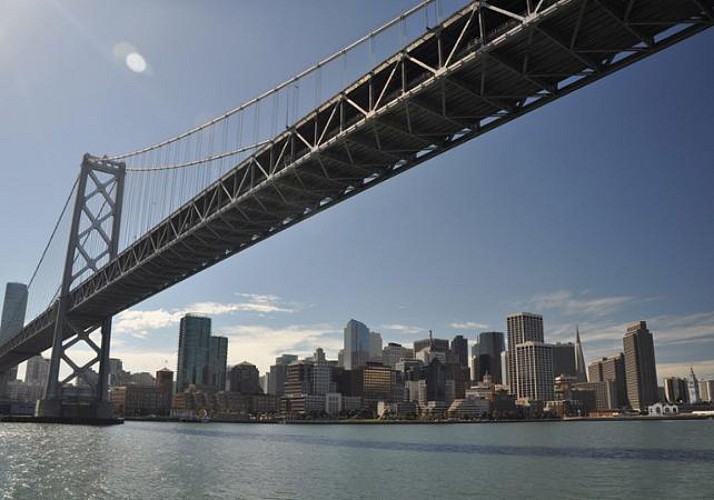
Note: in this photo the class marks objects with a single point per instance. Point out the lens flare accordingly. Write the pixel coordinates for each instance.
(136, 62)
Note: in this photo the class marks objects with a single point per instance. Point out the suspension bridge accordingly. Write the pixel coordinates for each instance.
(137, 223)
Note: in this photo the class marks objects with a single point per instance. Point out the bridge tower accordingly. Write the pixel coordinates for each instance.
(93, 241)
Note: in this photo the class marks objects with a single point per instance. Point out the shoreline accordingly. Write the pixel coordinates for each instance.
(642, 418)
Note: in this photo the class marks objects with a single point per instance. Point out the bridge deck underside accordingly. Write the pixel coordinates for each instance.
(478, 70)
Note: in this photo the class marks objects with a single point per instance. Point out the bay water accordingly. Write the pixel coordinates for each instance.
(633, 459)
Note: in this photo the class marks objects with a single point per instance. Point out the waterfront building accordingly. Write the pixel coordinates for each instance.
(278, 374)
(488, 358)
(564, 359)
(193, 352)
(640, 368)
(356, 345)
(245, 379)
(612, 369)
(676, 390)
(165, 385)
(534, 378)
(13, 317)
(662, 409)
(469, 408)
(605, 393)
(136, 401)
(37, 370)
(693, 386)
(706, 390)
(394, 353)
(217, 359)
(580, 374)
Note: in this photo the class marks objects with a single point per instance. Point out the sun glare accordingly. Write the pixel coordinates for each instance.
(136, 62)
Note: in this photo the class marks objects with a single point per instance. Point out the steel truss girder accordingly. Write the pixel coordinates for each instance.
(319, 156)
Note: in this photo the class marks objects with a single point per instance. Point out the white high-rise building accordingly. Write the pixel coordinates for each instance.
(534, 371)
(522, 327)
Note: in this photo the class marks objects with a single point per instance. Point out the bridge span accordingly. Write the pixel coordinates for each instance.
(482, 66)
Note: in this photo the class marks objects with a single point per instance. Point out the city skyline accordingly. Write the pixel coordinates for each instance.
(609, 196)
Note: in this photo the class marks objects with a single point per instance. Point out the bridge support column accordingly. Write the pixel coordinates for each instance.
(75, 392)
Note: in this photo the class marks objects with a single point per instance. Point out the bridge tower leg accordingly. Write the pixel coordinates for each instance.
(75, 392)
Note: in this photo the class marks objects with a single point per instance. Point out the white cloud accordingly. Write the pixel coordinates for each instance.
(146, 361)
(569, 303)
(468, 325)
(139, 323)
(405, 329)
(260, 344)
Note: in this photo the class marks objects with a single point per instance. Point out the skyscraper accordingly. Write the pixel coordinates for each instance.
(460, 350)
(491, 345)
(357, 344)
(534, 371)
(640, 369)
(611, 369)
(375, 346)
(580, 373)
(676, 390)
(193, 352)
(245, 378)
(217, 359)
(394, 353)
(693, 386)
(525, 328)
(278, 374)
(438, 345)
(13, 316)
(564, 360)
(37, 370)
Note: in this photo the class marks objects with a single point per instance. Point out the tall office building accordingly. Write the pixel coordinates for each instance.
(245, 378)
(488, 359)
(640, 368)
(706, 390)
(375, 346)
(564, 359)
(693, 386)
(534, 371)
(13, 316)
(522, 328)
(278, 374)
(611, 369)
(580, 374)
(437, 345)
(357, 344)
(460, 350)
(394, 353)
(217, 359)
(676, 390)
(193, 352)
(37, 370)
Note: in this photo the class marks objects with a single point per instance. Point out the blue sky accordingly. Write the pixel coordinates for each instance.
(595, 210)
